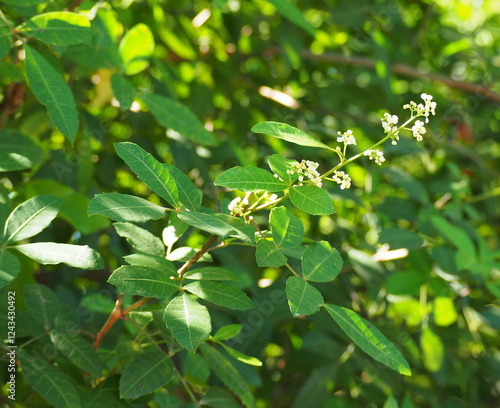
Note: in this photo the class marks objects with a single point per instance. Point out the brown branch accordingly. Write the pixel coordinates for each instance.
(197, 256)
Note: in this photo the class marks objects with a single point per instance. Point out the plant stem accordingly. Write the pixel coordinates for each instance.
(186, 387)
(198, 255)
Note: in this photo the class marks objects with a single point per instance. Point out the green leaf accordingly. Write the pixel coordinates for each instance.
(293, 14)
(238, 355)
(140, 238)
(18, 151)
(123, 90)
(303, 298)
(222, 225)
(249, 179)
(188, 320)
(30, 218)
(227, 374)
(368, 338)
(288, 133)
(221, 294)
(228, 332)
(190, 196)
(267, 254)
(219, 398)
(144, 281)
(50, 382)
(312, 200)
(150, 171)
(124, 207)
(432, 350)
(210, 273)
(10, 266)
(42, 304)
(457, 236)
(49, 88)
(5, 39)
(321, 262)
(281, 165)
(145, 374)
(287, 229)
(400, 238)
(444, 311)
(58, 28)
(157, 262)
(172, 114)
(50, 253)
(184, 254)
(136, 48)
(78, 351)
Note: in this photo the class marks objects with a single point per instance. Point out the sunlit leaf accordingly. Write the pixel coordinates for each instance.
(227, 332)
(210, 273)
(321, 262)
(444, 311)
(249, 179)
(283, 167)
(238, 355)
(136, 48)
(9, 267)
(303, 298)
(266, 254)
(286, 228)
(157, 262)
(432, 350)
(312, 200)
(190, 196)
(288, 133)
(220, 293)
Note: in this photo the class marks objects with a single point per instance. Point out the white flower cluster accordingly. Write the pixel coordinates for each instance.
(307, 169)
(237, 206)
(346, 137)
(375, 154)
(418, 130)
(425, 109)
(390, 125)
(342, 178)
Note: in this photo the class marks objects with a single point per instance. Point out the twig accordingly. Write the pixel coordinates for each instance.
(198, 255)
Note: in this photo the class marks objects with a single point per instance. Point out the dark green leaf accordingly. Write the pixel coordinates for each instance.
(18, 151)
(267, 254)
(124, 91)
(294, 14)
(221, 294)
(400, 238)
(312, 200)
(140, 238)
(288, 133)
(219, 398)
(303, 298)
(250, 179)
(286, 228)
(321, 262)
(157, 262)
(42, 304)
(9, 267)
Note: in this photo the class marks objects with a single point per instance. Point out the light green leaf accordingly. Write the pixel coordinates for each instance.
(190, 196)
(391, 402)
(293, 14)
(432, 350)
(368, 338)
(312, 200)
(303, 298)
(189, 321)
(50, 382)
(172, 114)
(281, 165)
(227, 374)
(228, 332)
(10, 266)
(288, 133)
(157, 262)
(221, 294)
(238, 355)
(151, 171)
(18, 151)
(184, 254)
(123, 90)
(321, 262)
(49, 88)
(222, 225)
(145, 374)
(136, 48)
(58, 28)
(144, 281)
(50, 253)
(286, 228)
(125, 207)
(140, 238)
(210, 273)
(249, 179)
(42, 304)
(267, 254)
(444, 311)
(5, 39)
(78, 351)
(30, 218)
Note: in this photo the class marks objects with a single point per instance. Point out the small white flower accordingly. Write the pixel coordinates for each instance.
(342, 178)
(346, 137)
(418, 130)
(236, 206)
(389, 123)
(425, 109)
(376, 155)
(306, 169)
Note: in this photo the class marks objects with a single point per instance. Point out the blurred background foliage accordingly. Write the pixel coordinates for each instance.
(322, 66)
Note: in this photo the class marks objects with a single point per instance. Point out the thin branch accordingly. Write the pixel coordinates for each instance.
(198, 255)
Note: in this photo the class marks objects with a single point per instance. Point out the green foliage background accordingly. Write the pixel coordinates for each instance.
(187, 81)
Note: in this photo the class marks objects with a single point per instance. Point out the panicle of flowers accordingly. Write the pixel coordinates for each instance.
(347, 137)
(376, 155)
(422, 109)
(342, 178)
(237, 206)
(418, 130)
(390, 125)
(307, 169)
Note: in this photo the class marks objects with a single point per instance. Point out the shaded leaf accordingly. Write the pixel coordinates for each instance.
(42, 304)
(125, 207)
(321, 262)
(368, 338)
(221, 294)
(281, 165)
(49, 88)
(286, 228)
(219, 398)
(140, 238)
(136, 48)
(293, 14)
(266, 254)
(157, 262)
(144, 281)
(189, 321)
(18, 151)
(288, 133)
(250, 179)
(303, 298)
(9, 267)
(123, 90)
(31, 217)
(190, 196)
(312, 200)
